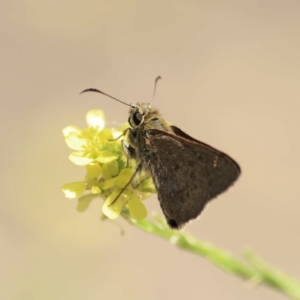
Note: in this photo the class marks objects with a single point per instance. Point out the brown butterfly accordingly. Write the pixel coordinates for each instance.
(186, 172)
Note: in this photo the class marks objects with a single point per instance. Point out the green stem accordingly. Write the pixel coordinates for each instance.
(254, 269)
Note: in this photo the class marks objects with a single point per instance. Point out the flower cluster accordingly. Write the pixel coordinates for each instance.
(107, 171)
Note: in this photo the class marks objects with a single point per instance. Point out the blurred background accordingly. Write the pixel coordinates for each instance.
(231, 73)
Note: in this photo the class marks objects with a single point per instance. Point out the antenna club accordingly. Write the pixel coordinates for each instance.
(90, 90)
(98, 91)
(155, 83)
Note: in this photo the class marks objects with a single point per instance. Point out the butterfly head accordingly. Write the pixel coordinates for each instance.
(143, 115)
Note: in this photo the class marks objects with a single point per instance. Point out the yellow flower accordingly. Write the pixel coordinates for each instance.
(106, 170)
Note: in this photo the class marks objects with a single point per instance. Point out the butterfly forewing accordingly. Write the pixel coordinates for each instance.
(186, 179)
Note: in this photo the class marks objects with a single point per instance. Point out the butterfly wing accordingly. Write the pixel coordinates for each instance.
(187, 174)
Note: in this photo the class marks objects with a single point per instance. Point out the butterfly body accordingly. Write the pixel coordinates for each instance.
(186, 172)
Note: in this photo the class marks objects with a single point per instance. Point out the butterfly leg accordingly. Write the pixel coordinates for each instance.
(129, 151)
(131, 154)
(123, 134)
(127, 148)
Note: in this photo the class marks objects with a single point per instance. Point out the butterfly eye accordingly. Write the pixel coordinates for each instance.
(137, 118)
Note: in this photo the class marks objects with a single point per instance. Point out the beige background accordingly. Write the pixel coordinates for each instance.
(231, 74)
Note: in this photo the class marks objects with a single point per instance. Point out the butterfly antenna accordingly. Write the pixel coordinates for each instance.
(97, 91)
(155, 83)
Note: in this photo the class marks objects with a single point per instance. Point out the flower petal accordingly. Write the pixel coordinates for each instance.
(106, 156)
(124, 177)
(112, 208)
(74, 189)
(136, 208)
(110, 170)
(95, 118)
(75, 142)
(78, 159)
(67, 130)
(92, 172)
(105, 135)
(108, 183)
(84, 202)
